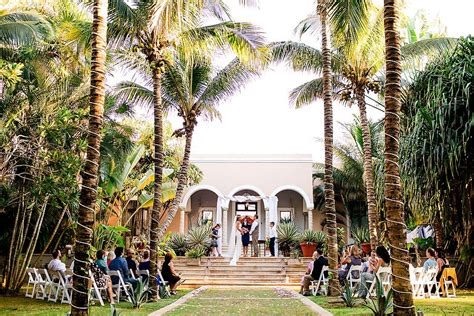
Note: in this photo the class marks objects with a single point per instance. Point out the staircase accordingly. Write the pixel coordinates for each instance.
(250, 271)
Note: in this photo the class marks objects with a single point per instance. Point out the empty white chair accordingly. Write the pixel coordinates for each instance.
(430, 282)
(32, 282)
(66, 287)
(353, 276)
(44, 284)
(322, 283)
(56, 286)
(384, 275)
(417, 281)
(120, 286)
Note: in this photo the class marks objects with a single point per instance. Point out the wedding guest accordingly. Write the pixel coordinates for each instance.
(120, 264)
(353, 259)
(309, 268)
(246, 235)
(430, 263)
(99, 272)
(56, 265)
(169, 274)
(381, 258)
(145, 262)
(214, 238)
(254, 233)
(110, 256)
(318, 265)
(131, 262)
(272, 234)
(442, 263)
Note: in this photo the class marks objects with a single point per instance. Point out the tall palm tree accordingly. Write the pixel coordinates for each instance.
(90, 179)
(402, 296)
(193, 88)
(330, 208)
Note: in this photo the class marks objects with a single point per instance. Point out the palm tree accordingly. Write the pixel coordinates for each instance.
(328, 149)
(402, 296)
(90, 179)
(193, 88)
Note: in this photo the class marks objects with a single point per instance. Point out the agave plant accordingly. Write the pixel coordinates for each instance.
(361, 235)
(288, 237)
(196, 252)
(310, 236)
(179, 243)
(199, 237)
(381, 304)
(348, 296)
(140, 293)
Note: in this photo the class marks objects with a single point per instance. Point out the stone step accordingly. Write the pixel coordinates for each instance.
(234, 276)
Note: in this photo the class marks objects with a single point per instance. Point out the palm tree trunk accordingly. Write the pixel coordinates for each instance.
(402, 296)
(330, 207)
(158, 160)
(438, 230)
(368, 169)
(182, 180)
(87, 202)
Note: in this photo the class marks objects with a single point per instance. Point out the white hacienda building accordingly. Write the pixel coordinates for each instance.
(273, 186)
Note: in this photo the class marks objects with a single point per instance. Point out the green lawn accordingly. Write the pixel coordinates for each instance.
(20, 305)
(463, 304)
(241, 302)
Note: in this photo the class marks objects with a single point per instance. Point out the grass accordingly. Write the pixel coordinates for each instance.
(20, 305)
(241, 302)
(463, 304)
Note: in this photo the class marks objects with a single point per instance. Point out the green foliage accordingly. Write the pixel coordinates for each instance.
(108, 237)
(179, 243)
(199, 237)
(140, 293)
(288, 237)
(361, 235)
(381, 304)
(348, 295)
(162, 248)
(196, 252)
(424, 243)
(310, 236)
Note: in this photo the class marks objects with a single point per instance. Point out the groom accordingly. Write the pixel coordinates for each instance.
(254, 233)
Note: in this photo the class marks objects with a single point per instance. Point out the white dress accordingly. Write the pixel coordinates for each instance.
(237, 241)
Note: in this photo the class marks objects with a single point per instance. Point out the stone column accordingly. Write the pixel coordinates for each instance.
(182, 215)
(224, 226)
(310, 219)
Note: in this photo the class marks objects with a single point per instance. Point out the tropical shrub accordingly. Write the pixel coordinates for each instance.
(163, 246)
(288, 237)
(361, 235)
(140, 293)
(196, 252)
(179, 243)
(309, 236)
(348, 296)
(381, 304)
(108, 237)
(199, 237)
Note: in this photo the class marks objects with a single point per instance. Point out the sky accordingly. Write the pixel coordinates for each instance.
(259, 120)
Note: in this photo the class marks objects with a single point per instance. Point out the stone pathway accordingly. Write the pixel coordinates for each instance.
(242, 301)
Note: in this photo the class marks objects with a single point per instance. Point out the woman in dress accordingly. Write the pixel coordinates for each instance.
(381, 258)
(169, 274)
(246, 226)
(99, 272)
(235, 242)
(353, 259)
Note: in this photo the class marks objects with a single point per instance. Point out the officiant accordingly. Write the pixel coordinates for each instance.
(254, 234)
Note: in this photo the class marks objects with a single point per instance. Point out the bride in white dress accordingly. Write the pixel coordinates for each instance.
(235, 242)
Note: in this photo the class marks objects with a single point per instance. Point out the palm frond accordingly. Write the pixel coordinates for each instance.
(310, 91)
(133, 93)
(428, 47)
(309, 25)
(21, 28)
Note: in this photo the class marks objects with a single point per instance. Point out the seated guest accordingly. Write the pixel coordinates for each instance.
(430, 263)
(120, 264)
(381, 258)
(318, 265)
(99, 272)
(353, 259)
(145, 262)
(442, 263)
(169, 274)
(56, 265)
(132, 263)
(309, 268)
(110, 256)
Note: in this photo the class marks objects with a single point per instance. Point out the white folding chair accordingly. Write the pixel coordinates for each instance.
(132, 274)
(165, 283)
(446, 284)
(417, 282)
(322, 283)
(430, 282)
(120, 286)
(384, 275)
(353, 276)
(66, 281)
(44, 284)
(96, 290)
(32, 282)
(144, 275)
(56, 286)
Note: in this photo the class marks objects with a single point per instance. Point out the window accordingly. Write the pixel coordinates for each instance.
(207, 215)
(246, 208)
(286, 215)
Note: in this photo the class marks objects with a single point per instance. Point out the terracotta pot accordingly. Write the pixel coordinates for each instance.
(365, 247)
(308, 249)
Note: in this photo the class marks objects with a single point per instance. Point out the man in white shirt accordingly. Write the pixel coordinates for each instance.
(56, 264)
(272, 233)
(254, 233)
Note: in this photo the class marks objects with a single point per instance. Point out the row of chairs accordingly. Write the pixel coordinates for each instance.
(354, 279)
(41, 285)
(423, 282)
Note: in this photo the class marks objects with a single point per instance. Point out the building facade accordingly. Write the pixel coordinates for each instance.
(275, 187)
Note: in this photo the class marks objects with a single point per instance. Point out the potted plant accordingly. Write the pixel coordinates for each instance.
(361, 236)
(308, 242)
(288, 237)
